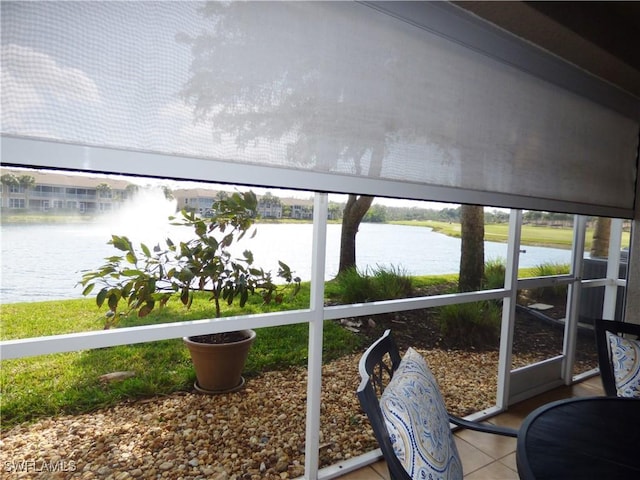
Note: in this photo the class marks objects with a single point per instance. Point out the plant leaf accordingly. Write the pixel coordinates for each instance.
(113, 300)
(88, 289)
(184, 296)
(102, 295)
(128, 272)
(121, 243)
(145, 310)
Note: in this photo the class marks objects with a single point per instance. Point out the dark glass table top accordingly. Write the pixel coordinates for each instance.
(581, 438)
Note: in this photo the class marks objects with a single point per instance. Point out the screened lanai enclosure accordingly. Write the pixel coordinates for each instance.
(418, 101)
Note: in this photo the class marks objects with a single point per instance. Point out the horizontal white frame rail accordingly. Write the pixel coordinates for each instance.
(27, 347)
(71, 342)
(39, 153)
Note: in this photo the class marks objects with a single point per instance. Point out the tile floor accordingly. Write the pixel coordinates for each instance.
(491, 457)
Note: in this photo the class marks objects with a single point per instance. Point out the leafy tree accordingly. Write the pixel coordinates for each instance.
(221, 195)
(131, 190)
(269, 198)
(450, 214)
(104, 190)
(376, 214)
(335, 210)
(168, 193)
(496, 216)
(286, 210)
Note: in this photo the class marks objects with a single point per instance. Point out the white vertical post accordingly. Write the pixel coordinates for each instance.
(573, 299)
(509, 309)
(314, 363)
(613, 266)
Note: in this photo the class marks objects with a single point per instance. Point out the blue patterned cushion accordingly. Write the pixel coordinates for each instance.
(625, 355)
(418, 423)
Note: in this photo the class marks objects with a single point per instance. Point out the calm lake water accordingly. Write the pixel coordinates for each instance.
(45, 262)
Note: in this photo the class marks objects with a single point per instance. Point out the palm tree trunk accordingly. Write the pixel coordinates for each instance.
(472, 249)
(601, 234)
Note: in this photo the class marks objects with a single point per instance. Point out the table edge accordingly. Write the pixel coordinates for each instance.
(522, 462)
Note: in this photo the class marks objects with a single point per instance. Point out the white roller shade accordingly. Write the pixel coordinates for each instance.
(328, 90)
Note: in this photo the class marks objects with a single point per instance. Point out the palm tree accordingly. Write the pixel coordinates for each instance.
(472, 249)
(8, 180)
(26, 182)
(601, 234)
(131, 190)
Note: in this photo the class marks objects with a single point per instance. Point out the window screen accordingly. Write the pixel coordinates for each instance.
(331, 87)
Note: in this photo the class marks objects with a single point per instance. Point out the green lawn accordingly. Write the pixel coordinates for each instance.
(531, 234)
(69, 383)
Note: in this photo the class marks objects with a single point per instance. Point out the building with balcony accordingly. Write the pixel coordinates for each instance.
(57, 192)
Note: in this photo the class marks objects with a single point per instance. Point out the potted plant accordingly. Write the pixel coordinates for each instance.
(145, 278)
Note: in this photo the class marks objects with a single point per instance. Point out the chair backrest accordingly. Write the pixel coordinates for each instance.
(620, 365)
(377, 365)
(407, 413)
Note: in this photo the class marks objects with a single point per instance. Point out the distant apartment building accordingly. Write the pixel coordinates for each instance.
(270, 207)
(200, 200)
(62, 192)
(92, 195)
(301, 209)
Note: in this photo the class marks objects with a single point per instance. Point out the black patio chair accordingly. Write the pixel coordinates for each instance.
(628, 382)
(401, 395)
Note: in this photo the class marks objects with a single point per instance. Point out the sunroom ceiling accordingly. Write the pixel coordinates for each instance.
(601, 37)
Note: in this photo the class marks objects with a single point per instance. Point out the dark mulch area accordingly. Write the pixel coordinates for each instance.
(536, 334)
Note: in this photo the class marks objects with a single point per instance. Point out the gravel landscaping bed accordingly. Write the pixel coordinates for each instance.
(255, 433)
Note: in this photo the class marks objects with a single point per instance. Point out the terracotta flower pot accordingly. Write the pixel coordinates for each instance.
(219, 366)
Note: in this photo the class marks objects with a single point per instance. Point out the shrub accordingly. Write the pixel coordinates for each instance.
(474, 325)
(382, 284)
(494, 273)
(553, 292)
(550, 268)
(355, 287)
(390, 283)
